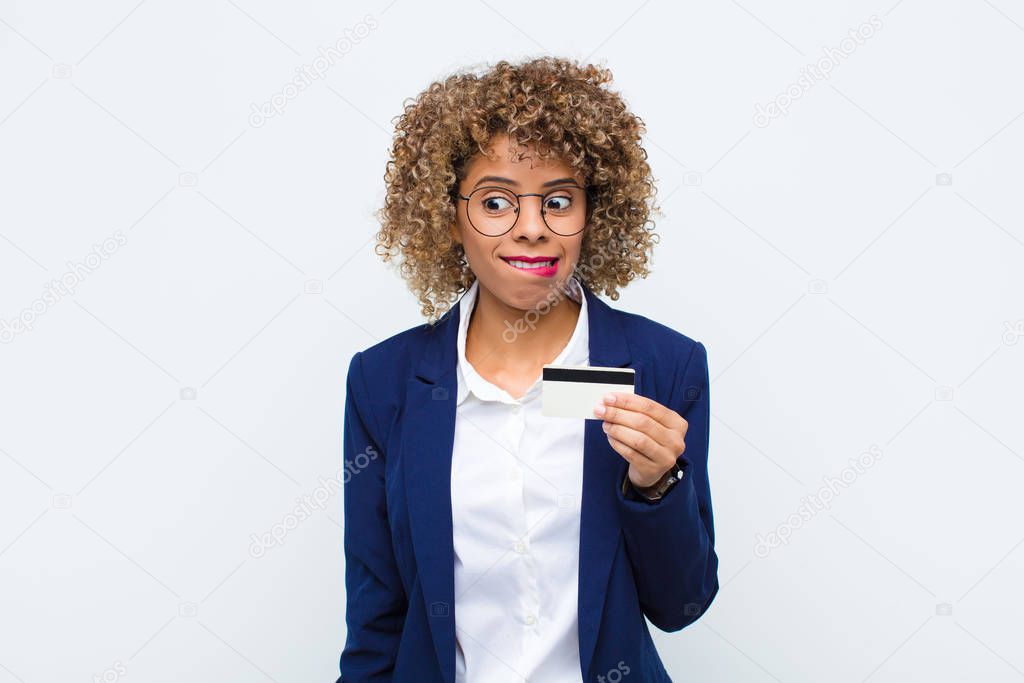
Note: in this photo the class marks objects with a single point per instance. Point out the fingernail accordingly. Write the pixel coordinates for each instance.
(599, 409)
(609, 399)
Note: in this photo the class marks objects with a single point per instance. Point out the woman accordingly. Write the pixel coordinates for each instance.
(484, 541)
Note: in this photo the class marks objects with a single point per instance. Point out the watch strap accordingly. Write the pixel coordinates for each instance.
(658, 491)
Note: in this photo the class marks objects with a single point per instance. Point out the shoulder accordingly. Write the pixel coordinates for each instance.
(679, 362)
(385, 367)
(399, 351)
(656, 341)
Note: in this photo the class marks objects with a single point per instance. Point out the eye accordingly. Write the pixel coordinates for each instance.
(558, 204)
(496, 203)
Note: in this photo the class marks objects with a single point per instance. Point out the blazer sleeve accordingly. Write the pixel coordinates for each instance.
(376, 603)
(671, 542)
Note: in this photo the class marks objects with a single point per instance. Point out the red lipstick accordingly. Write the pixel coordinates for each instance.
(542, 271)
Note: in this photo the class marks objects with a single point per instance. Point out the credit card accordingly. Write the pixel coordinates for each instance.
(574, 391)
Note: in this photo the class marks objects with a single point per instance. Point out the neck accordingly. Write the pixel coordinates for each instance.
(499, 334)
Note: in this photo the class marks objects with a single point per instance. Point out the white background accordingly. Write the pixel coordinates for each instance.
(192, 386)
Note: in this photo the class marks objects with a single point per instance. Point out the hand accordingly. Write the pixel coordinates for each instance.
(647, 434)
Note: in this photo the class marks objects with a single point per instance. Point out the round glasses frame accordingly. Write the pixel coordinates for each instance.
(543, 211)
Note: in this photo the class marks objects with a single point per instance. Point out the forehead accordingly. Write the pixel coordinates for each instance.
(521, 163)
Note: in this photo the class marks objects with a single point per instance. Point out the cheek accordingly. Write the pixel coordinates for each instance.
(472, 245)
(574, 249)
(478, 251)
(465, 234)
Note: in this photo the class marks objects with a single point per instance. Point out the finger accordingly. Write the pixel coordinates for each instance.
(643, 423)
(637, 442)
(633, 456)
(635, 402)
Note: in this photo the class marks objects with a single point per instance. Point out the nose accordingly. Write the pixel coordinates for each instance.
(530, 222)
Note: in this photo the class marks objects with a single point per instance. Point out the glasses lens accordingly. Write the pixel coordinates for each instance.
(493, 210)
(565, 210)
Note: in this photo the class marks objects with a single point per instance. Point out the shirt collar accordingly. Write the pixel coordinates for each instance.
(575, 352)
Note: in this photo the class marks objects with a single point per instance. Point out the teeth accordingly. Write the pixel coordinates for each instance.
(530, 266)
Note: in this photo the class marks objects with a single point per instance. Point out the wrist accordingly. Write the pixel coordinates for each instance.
(658, 489)
(661, 480)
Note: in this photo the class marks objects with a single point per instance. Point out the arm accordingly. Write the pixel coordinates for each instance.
(671, 543)
(376, 601)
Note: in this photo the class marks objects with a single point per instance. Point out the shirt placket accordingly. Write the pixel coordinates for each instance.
(529, 604)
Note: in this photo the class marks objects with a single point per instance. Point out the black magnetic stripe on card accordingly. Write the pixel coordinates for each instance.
(588, 376)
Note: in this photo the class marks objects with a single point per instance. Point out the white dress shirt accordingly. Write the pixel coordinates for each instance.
(517, 479)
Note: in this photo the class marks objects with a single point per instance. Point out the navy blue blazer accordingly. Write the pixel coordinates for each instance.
(636, 558)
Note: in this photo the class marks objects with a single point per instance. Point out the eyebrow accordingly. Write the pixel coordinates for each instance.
(509, 181)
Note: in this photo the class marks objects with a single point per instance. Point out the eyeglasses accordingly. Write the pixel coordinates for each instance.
(493, 210)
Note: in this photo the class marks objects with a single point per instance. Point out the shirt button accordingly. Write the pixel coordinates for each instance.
(531, 620)
(520, 547)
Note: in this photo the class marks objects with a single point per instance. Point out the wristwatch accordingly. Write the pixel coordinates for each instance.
(667, 481)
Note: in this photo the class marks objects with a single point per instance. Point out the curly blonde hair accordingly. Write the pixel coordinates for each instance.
(555, 104)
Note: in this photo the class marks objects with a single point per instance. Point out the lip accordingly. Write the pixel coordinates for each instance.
(529, 259)
(543, 271)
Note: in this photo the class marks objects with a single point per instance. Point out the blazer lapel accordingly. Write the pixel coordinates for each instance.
(428, 436)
